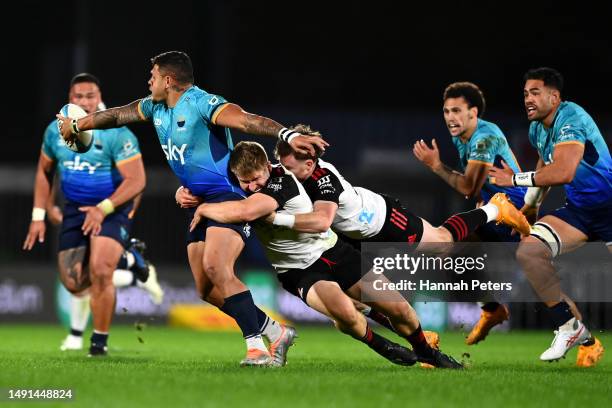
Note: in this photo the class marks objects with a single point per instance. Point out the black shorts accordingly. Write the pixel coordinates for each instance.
(341, 264)
(115, 225)
(199, 233)
(400, 224)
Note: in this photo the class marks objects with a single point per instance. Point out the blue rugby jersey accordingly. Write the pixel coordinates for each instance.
(90, 177)
(488, 145)
(197, 150)
(592, 184)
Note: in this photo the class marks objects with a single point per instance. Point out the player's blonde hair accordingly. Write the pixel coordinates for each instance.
(284, 149)
(247, 157)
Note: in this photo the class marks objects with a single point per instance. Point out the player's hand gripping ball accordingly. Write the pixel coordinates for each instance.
(81, 141)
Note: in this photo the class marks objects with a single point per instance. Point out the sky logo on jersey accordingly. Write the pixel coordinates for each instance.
(173, 152)
(78, 165)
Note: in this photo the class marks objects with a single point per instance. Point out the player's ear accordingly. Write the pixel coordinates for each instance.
(555, 96)
(473, 112)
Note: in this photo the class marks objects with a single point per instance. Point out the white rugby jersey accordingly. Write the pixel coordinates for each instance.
(286, 248)
(361, 213)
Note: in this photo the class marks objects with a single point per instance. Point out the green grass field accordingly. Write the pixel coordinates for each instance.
(182, 368)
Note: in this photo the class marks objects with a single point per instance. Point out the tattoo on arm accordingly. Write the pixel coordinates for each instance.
(115, 117)
(261, 126)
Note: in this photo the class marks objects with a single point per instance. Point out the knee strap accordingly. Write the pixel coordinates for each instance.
(545, 233)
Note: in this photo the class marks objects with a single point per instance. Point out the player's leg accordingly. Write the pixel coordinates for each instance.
(104, 255)
(459, 226)
(222, 248)
(76, 281)
(551, 236)
(328, 298)
(134, 270)
(373, 314)
(406, 324)
(280, 336)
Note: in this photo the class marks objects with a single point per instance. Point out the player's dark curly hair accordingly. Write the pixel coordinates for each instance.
(177, 64)
(550, 76)
(470, 92)
(84, 77)
(283, 148)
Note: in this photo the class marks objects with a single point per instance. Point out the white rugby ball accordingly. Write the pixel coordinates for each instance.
(84, 138)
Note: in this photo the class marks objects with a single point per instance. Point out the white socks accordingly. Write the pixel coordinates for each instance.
(122, 277)
(256, 342)
(129, 258)
(79, 312)
(272, 330)
(491, 210)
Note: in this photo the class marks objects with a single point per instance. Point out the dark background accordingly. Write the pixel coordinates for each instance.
(331, 65)
(369, 76)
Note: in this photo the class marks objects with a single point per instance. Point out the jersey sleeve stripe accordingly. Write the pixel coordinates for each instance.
(129, 159)
(140, 110)
(570, 142)
(45, 154)
(481, 162)
(217, 112)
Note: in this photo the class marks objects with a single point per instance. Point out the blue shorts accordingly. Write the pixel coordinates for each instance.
(594, 223)
(115, 225)
(199, 233)
(492, 232)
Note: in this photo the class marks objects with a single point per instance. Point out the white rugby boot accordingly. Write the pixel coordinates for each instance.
(569, 335)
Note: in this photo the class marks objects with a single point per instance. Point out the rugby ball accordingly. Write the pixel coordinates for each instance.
(84, 139)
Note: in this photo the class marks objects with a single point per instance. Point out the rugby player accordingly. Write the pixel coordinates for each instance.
(573, 153)
(193, 127)
(480, 144)
(363, 215)
(92, 239)
(318, 267)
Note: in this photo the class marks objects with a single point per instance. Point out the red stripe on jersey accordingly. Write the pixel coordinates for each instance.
(395, 218)
(400, 214)
(398, 225)
(318, 173)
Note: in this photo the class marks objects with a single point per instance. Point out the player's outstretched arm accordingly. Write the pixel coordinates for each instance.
(561, 171)
(467, 184)
(106, 119)
(234, 117)
(256, 206)
(319, 220)
(42, 191)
